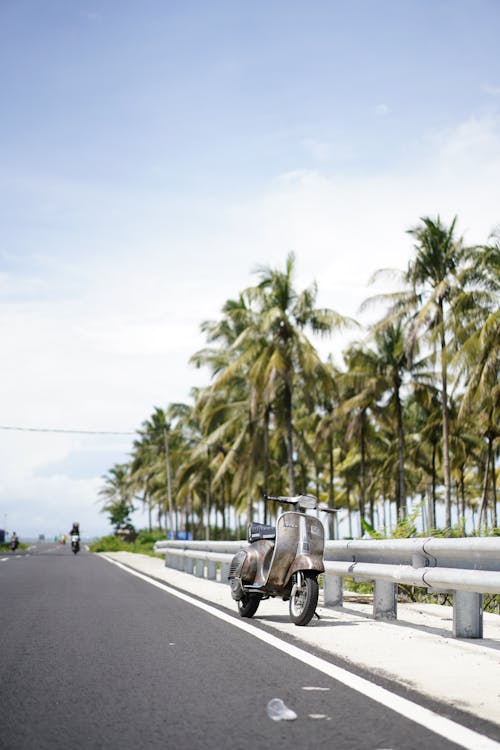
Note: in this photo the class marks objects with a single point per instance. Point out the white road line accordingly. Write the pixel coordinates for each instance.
(4, 559)
(450, 730)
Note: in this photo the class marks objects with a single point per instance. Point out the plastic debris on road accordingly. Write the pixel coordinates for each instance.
(277, 711)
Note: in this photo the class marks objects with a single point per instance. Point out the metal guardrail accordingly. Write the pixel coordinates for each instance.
(201, 558)
(465, 567)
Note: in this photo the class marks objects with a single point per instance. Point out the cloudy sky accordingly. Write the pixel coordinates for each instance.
(153, 154)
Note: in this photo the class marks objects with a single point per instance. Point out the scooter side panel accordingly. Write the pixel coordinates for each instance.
(300, 542)
(258, 557)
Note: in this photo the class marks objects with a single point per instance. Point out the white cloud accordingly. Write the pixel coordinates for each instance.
(331, 151)
(381, 110)
(491, 90)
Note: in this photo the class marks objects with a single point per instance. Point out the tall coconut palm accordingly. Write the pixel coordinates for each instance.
(118, 494)
(231, 411)
(480, 358)
(437, 277)
(286, 358)
(438, 291)
(396, 371)
(361, 390)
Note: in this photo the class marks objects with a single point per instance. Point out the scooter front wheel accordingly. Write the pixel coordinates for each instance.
(249, 604)
(304, 601)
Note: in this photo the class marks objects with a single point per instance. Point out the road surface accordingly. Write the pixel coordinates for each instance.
(93, 657)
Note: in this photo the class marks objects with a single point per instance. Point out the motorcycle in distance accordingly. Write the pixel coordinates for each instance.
(282, 561)
(75, 543)
(14, 542)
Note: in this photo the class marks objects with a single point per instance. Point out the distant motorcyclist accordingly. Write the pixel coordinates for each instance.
(14, 541)
(74, 536)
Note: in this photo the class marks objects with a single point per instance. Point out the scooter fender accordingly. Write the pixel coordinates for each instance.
(307, 562)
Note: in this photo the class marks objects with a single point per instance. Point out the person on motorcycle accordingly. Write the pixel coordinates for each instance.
(14, 541)
(74, 537)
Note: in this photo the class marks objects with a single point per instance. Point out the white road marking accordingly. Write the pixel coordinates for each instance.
(450, 730)
(4, 559)
(319, 716)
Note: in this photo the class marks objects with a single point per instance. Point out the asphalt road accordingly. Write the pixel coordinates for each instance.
(92, 657)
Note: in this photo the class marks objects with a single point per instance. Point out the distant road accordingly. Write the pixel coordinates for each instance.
(92, 657)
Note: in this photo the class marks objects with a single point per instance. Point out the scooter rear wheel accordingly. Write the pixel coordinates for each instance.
(249, 604)
(304, 601)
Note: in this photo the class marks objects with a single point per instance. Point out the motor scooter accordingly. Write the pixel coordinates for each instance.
(282, 561)
(75, 543)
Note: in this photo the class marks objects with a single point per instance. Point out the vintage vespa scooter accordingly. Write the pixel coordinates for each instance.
(282, 561)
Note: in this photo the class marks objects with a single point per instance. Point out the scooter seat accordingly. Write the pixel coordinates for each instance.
(258, 531)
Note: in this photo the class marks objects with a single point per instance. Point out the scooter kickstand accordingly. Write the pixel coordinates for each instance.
(316, 615)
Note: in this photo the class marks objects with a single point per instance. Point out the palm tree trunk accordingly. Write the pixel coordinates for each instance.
(289, 437)
(434, 515)
(484, 496)
(331, 467)
(446, 426)
(169, 483)
(462, 495)
(266, 458)
(401, 457)
(494, 484)
(362, 478)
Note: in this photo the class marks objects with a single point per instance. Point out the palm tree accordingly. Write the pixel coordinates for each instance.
(285, 358)
(436, 276)
(361, 390)
(480, 357)
(327, 430)
(231, 413)
(118, 495)
(396, 369)
(438, 292)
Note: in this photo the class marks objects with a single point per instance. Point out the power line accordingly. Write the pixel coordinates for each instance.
(62, 430)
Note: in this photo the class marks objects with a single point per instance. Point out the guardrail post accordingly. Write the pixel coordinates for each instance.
(199, 568)
(332, 590)
(224, 572)
(467, 614)
(188, 565)
(212, 570)
(385, 600)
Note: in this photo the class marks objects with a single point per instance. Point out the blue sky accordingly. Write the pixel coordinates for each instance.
(153, 154)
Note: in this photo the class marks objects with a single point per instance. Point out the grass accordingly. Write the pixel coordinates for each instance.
(5, 546)
(491, 602)
(142, 544)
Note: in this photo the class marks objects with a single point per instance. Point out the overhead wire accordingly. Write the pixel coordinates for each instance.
(65, 431)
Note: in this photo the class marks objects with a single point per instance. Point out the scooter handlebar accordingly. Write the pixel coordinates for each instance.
(295, 500)
(282, 499)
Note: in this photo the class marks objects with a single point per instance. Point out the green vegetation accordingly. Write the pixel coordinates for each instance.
(491, 602)
(142, 544)
(4, 546)
(409, 419)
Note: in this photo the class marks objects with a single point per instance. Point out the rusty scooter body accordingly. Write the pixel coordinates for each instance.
(282, 561)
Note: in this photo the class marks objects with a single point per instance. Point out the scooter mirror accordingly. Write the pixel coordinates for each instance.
(308, 502)
(324, 507)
